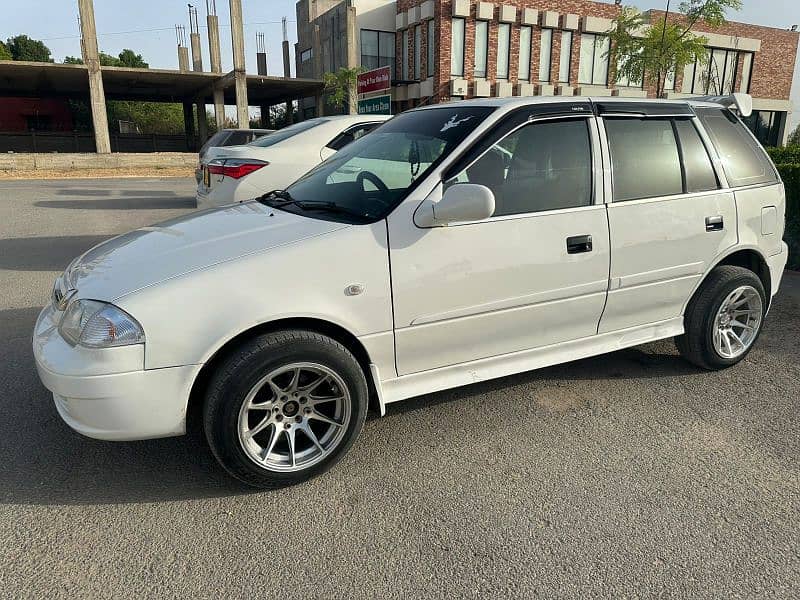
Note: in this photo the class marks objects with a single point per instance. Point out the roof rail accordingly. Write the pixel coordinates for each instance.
(743, 103)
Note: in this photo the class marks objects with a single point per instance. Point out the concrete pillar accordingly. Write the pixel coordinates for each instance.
(188, 122)
(287, 72)
(219, 109)
(96, 92)
(183, 58)
(265, 116)
(320, 105)
(237, 41)
(261, 63)
(202, 123)
(197, 56)
(213, 43)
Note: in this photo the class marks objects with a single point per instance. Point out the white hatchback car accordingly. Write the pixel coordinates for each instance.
(457, 243)
(236, 173)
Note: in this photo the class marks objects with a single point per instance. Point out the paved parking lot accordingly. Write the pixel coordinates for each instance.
(631, 474)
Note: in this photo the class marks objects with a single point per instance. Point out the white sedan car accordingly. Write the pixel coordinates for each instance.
(237, 173)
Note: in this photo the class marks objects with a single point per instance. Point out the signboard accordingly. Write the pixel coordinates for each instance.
(376, 80)
(377, 105)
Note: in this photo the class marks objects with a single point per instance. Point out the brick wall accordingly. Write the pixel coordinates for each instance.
(772, 70)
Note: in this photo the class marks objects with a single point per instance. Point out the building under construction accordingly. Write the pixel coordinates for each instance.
(41, 89)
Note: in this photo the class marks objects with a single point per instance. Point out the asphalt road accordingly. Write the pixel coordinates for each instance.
(626, 475)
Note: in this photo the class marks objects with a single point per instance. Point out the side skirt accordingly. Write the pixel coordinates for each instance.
(426, 382)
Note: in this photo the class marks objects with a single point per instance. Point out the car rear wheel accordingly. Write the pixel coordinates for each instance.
(285, 407)
(723, 319)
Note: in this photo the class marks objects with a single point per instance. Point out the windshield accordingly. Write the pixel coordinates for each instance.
(286, 133)
(373, 174)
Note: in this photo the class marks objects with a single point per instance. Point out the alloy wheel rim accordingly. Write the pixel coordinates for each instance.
(294, 417)
(737, 322)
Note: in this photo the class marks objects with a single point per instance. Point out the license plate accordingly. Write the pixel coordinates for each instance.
(206, 177)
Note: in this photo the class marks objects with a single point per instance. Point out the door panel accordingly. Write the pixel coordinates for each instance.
(661, 249)
(475, 290)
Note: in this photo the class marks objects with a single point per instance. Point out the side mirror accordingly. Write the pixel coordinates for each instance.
(461, 202)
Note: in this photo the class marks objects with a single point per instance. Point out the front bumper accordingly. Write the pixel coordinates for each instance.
(106, 393)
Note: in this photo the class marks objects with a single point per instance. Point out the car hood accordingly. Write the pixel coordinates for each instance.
(172, 248)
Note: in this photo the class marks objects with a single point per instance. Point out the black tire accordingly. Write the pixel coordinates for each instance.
(240, 372)
(696, 344)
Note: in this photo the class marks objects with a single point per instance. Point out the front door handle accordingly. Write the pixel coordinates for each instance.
(579, 243)
(714, 223)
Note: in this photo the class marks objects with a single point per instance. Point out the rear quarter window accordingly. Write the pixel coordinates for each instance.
(743, 159)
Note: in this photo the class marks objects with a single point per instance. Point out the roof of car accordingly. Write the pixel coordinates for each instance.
(514, 101)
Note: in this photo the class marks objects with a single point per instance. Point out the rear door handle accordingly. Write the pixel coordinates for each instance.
(714, 223)
(579, 243)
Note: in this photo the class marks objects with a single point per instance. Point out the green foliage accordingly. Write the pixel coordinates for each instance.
(785, 155)
(22, 47)
(794, 137)
(150, 117)
(342, 85)
(5, 53)
(790, 173)
(128, 58)
(642, 49)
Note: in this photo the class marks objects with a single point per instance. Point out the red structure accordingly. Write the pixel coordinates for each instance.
(38, 114)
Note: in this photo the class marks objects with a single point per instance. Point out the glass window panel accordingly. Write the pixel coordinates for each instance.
(700, 83)
(524, 53)
(717, 73)
(545, 54)
(542, 166)
(747, 66)
(417, 51)
(745, 162)
(404, 55)
(457, 48)
(386, 41)
(601, 46)
(700, 175)
(644, 158)
(481, 47)
(669, 81)
(587, 58)
(730, 73)
(503, 41)
(431, 49)
(565, 57)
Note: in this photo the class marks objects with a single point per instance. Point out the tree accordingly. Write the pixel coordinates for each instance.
(22, 47)
(640, 49)
(5, 53)
(794, 137)
(128, 58)
(341, 86)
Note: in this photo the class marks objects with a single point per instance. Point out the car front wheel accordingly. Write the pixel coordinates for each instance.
(285, 407)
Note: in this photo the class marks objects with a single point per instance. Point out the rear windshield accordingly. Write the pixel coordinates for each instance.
(287, 132)
(744, 160)
(215, 140)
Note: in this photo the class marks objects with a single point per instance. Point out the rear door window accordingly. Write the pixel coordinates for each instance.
(644, 158)
(743, 159)
(700, 176)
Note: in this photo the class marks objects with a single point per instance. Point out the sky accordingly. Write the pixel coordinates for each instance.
(147, 26)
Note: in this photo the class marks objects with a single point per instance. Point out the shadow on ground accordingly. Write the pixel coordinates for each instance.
(48, 253)
(126, 203)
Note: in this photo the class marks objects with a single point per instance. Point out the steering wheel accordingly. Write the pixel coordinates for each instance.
(372, 178)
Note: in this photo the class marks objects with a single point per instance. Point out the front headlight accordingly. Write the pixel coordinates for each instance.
(99, 325)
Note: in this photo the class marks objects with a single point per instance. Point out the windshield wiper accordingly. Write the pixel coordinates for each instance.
(329, 207)
(283, 195)
(281, 198)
